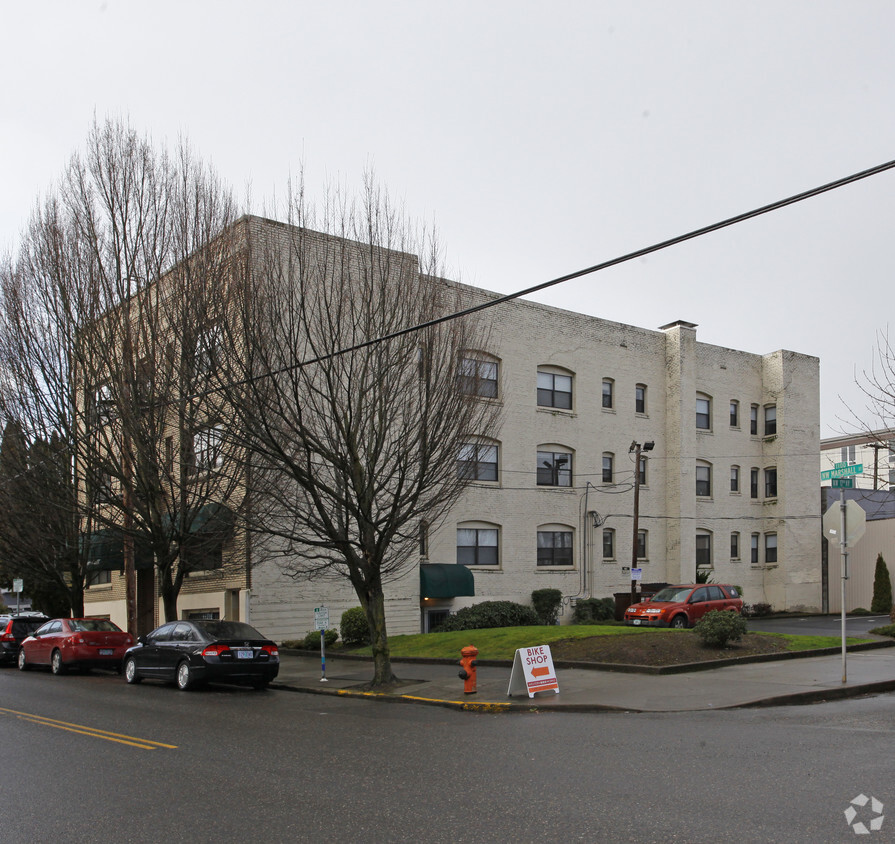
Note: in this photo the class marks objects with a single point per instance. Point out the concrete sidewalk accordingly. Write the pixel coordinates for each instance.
(777, 683)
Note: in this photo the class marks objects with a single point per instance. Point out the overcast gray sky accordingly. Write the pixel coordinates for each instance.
(540, 138)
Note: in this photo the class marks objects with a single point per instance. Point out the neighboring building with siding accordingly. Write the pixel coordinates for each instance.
(878, 538)
(874, 450)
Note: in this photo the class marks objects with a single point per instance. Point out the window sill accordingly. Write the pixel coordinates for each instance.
(608, 409)
(554, 568)
(557, 411)
(100, 587)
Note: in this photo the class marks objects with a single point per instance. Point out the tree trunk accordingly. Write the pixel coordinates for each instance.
(373, 602)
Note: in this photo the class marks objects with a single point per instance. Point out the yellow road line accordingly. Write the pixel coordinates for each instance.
(133, 741)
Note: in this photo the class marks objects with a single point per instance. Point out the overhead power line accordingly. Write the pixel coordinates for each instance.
(621, 259)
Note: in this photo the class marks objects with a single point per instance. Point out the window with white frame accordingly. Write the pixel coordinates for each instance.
(734, 478)
(608, 544)
(554, 546)
(703, 412)
(478, 376)
(770, 420)
(478, 546)
(640, 398)
(642, 544)
(734, 414)
(207, 449)
(554, 468)
(770, 547)
(847, 453)
(608, 467)
(770, 482)
(753, 549)
(642, 479)
(608, 393)
(554, 389)
(734, 545)
(478, 461)
(704, 480)
(703, 549)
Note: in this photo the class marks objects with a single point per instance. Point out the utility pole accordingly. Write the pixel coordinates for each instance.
(635, 449)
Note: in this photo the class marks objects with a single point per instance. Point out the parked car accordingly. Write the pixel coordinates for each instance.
(84, 643)
(683, 606)
(13, 630)
(194, 652)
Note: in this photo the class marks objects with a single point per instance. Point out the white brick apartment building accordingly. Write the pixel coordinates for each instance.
(729, 485)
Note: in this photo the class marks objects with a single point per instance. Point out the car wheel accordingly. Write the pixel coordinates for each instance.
(679, 622)
(23, 663)
(130, 671)
(57, 666)
(184, 676)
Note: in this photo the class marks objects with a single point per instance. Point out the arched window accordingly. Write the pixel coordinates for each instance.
(478, 544)
(478, 374)
(478, 461)
(704, 549)
(554, 387)
(555, 545)
(703, 412)
(608, 394)
(703, 479)
(554, 465)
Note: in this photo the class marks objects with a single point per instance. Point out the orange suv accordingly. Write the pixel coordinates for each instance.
(683, 606)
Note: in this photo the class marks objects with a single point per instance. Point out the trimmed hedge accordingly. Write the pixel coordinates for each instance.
(490, 614)
(546, 603)
(312, 640)
(593, 610)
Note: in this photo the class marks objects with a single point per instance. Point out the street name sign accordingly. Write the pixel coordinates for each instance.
(842, 471)
(842, 483)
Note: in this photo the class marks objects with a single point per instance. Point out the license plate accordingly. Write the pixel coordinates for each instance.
(636, 621)
(106, 651)
(244, 654)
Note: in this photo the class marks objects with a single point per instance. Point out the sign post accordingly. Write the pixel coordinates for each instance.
(321, 623)
(852, 523)
(17, 586)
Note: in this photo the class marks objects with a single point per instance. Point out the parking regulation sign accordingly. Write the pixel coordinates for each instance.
(321, 618)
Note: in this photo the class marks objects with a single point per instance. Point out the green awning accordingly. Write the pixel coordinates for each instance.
(105, 551)
(445, 580)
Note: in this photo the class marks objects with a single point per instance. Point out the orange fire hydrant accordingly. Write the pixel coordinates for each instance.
(467, 668)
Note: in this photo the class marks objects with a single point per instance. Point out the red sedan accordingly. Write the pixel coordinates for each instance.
(85, 643)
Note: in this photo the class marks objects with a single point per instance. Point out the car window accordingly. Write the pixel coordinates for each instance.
(93, 625)
(183, 633)
(227, 630)
(699, 595)
(672, 594)
(715, 593)
(163, 634)
(732, 591)
(25, 626)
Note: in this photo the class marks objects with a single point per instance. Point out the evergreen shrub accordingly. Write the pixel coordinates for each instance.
(490, 614)
(593, 610)
(546, 603)
(718, 627)
(354, 628)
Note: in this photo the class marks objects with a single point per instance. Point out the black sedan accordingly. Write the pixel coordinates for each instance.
(194, 652)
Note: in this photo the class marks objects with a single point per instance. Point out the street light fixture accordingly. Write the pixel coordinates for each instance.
(636, 449)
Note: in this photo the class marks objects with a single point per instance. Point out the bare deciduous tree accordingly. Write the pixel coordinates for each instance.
(106, 342)
(351, 450)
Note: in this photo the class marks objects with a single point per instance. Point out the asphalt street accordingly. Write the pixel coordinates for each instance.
(98, 760)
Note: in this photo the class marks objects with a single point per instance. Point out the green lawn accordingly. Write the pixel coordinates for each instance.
(502, 642)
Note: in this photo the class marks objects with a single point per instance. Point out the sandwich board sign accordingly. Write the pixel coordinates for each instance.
(532, 672)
